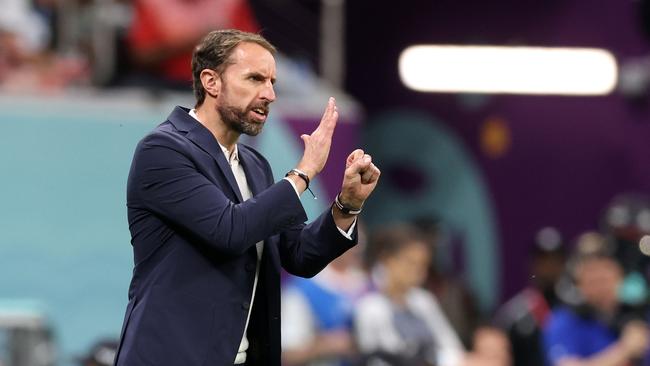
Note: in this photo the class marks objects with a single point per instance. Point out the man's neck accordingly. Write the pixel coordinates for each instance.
(210, 118)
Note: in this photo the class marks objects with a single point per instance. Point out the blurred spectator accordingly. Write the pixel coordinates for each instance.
(101, 353)
(317, 313)
(28, 29)
(402, 324)
(97, 30)
(23, 36)
(26, 335)
(525, 315)
(625, 222)
(26, 62)
(453, 295)
(490, 347)
(595, 332)
(164, 32)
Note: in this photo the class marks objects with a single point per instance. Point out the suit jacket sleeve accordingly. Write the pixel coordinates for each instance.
(306, 249)
(165, 180)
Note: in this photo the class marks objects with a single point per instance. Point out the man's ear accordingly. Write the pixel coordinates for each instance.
(211, 82)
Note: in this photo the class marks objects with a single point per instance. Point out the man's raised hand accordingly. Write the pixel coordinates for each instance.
(317, 145)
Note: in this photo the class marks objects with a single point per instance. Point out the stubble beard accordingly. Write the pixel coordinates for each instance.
(237, 119)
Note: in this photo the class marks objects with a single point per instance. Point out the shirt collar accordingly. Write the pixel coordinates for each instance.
(229, 157)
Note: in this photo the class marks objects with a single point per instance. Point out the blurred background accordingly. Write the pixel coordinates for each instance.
(499, 187)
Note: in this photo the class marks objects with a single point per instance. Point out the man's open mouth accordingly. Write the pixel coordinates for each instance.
(261, 111)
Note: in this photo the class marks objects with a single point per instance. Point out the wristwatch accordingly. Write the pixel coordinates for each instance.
(345, 209)
(302, 176)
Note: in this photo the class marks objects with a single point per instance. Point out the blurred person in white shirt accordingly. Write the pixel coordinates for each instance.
(401, 323)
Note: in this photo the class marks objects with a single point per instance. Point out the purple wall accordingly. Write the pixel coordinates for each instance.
(344, 141)
(568, 156)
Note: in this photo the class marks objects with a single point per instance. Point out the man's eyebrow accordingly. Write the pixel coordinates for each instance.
(258, 74)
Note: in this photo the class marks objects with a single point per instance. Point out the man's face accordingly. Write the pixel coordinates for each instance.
(247, 89)
(598, 280)
(409, 266)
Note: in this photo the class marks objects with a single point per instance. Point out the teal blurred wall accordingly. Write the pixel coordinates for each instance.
(64, 240)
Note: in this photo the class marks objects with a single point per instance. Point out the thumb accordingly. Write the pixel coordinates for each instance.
(305, 138)
(354, 156)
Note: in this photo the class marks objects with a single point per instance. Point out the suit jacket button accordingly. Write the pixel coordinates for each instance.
(250, 267)
(246, 305)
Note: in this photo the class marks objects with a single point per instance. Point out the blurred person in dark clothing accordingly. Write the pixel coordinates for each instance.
(525, 315)
(596, 332)
(626, 220)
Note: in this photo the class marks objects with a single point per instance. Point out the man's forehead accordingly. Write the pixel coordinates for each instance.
(249, 51)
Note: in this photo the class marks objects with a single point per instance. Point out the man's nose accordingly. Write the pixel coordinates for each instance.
(268, 93)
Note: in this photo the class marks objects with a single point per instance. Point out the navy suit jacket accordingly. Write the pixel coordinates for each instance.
(194, 250)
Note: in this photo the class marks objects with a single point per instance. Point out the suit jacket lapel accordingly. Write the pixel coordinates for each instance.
(203, 138)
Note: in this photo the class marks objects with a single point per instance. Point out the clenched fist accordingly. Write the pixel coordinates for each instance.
(360, 179)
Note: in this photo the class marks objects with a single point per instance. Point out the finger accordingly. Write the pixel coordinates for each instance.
(358, 166)
(365, 176)
(370, 171)
(330, 117)
(329, 108)
(366, 157)
(331, 124)
(356, 154)
(327, 114)
(367, 173)
(375, 174)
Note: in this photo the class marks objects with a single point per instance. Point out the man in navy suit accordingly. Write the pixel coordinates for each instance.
(210, 228)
